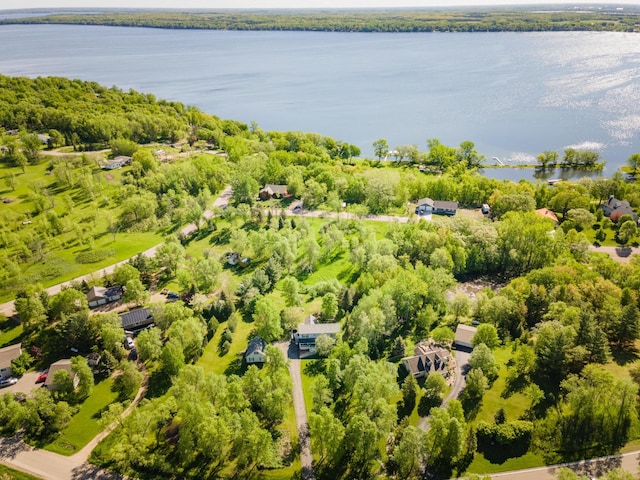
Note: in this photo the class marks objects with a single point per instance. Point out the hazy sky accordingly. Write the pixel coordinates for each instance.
(213, 4)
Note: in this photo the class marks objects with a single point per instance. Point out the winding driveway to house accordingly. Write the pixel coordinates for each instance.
(290, 351)
(462, 363)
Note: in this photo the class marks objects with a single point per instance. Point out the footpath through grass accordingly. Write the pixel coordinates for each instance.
(85, 424)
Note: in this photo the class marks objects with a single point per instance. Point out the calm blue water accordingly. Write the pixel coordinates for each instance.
(513, 94)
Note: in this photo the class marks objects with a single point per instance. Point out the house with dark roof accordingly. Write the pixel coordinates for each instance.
(7, 355)
(101, 295)
(255, 351)
(614, 209)
(273, 191)
(463, 336)
(426, 206)
(136, 319)
(307, 333)
(427, 359)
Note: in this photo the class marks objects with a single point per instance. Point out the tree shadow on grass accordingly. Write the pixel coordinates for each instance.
(624, 355)
(236, 367)
(159, 383)
(498, 454)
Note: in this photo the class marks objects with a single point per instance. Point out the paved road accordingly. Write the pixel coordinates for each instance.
(594, 468)
(290, 351)
(51, 466)
(462, 364)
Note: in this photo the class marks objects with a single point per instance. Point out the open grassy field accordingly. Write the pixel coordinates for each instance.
(85, 215)
(86, 423)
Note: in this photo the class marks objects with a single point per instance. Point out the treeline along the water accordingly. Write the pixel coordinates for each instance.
(627, 20)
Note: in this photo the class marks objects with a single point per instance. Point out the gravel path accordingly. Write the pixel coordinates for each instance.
(290, 351)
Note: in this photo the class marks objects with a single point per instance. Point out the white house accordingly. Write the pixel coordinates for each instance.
(255, 351)
(7, 355)
(306, 334)
(464, 334)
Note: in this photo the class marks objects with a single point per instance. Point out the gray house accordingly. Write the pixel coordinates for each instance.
(101, 295)
(426, 206)
(255, 351)
(136, 319)
(427, 359)
(614, 209)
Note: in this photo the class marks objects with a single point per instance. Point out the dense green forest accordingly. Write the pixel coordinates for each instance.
(553, 376)
(452, 20)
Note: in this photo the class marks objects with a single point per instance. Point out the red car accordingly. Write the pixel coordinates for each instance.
(42, 378)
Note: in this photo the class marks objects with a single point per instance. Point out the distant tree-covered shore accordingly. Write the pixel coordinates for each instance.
(451, 20)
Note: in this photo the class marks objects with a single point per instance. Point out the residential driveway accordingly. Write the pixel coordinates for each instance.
(619, 254)
(462, 366)
(25, 384)
(290, 351)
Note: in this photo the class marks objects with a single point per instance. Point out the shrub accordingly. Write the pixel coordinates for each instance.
(94, 256)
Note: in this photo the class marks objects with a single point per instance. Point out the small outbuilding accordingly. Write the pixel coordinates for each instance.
(464, 335)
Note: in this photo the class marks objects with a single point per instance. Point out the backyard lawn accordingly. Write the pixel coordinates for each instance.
(86, 423)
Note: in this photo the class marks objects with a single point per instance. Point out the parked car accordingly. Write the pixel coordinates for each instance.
(129, 343)
(42, 378)
(173, 296)
(6, 382)
(133, 354)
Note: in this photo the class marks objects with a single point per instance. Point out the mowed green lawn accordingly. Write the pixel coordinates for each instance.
(514, 407)
(211, 360)
(86, 423)
(9, 333)
(7, 473)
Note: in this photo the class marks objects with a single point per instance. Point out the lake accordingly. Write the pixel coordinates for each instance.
(513, 94)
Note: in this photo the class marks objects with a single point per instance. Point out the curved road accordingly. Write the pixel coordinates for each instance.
(51, 466)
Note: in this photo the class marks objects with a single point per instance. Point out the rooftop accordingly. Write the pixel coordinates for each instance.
(318, 328)
(464, 333)
(7, 354)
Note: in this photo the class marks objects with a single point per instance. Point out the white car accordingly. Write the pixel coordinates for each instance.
(7, 382)
(129, 343)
